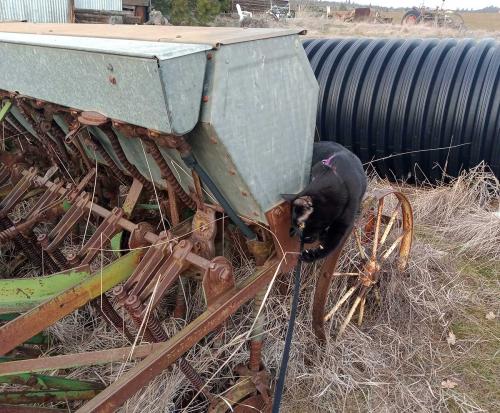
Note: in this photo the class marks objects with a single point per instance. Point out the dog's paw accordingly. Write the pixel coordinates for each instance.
(307, 256)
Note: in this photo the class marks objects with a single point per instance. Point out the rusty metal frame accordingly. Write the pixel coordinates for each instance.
(168, 352)
(162, 265)
(68, 361)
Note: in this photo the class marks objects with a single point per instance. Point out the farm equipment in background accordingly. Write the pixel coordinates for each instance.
(133, 159)
(356, 15)
(438, 17)
(360, 14)
(281, 12)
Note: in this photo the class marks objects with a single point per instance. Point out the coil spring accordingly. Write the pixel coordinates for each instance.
(53, 152)
(134, 308)
(109, 313)
(131, 169)
(60, 260)
(169, 176)
(154, 326)
(156, 329)
(155, 333)
(112, 165)
(9, 128)
(59, 136)
(9, 233)
(194, 378)
(18, 127)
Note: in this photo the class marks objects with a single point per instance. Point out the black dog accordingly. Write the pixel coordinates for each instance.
(326, 209)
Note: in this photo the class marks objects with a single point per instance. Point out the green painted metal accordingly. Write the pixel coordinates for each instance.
(66, 205)
(116, 244)
(5, 109)
(44, 382)
(44, 315)
(22, 294)
(148, 207)
(46, 396)
(26, 409)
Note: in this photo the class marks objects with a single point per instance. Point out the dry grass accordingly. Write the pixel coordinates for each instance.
(319, 26)
(397, 361)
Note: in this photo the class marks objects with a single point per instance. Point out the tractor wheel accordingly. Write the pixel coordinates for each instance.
(454, 21)
(411, 17)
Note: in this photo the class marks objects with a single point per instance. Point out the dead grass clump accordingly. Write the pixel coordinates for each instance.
(393, 362)
(462, 214)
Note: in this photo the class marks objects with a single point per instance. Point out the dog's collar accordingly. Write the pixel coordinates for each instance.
(328, 162)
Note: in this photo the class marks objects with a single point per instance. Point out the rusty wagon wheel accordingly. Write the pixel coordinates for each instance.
(382, 236)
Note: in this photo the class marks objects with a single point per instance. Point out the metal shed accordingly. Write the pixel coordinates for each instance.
(51, 11)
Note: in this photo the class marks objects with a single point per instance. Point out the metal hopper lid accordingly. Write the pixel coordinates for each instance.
(213, 36)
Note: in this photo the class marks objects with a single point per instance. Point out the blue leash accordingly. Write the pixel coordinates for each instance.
(289, 334)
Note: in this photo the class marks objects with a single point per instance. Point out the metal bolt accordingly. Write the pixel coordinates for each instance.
(133, 302)
(224, 275)
(204, 99)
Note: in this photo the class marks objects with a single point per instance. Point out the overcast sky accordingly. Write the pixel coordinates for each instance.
(449, 4)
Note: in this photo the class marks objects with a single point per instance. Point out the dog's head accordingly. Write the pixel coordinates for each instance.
(302, 208)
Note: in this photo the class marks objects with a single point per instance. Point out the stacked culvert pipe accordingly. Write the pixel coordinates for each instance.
(385, 97)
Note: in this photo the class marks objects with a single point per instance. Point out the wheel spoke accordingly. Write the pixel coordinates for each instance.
(344, 298)
(347, 274)
(377, 228)
(349, 315)
(359, 244)
(361, 311)
(392, 247)
(390, 224)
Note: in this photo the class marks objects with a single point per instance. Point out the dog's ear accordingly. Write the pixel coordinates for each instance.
(289, 197)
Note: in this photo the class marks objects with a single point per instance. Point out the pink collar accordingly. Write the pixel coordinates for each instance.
(328, 162)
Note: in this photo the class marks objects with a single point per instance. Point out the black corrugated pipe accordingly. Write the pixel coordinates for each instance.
(383, 97)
